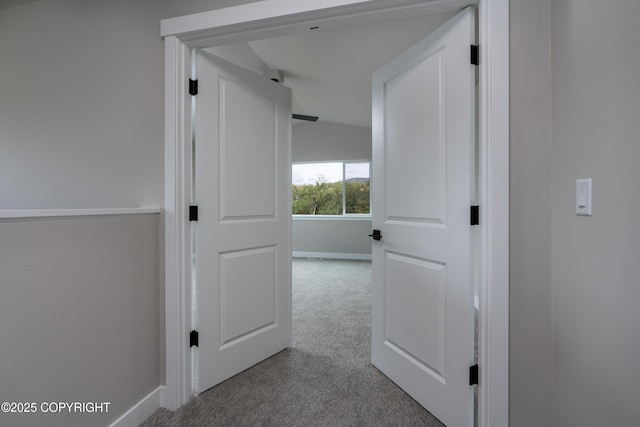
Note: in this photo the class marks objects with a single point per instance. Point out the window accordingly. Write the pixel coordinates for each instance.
(331, 188)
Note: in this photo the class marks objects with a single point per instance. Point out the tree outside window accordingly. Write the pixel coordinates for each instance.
(331, 188)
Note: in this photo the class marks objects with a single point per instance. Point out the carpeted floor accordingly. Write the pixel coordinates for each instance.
(326, 379)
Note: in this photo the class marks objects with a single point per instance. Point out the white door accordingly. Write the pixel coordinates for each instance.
(423, 183)
(243, 249)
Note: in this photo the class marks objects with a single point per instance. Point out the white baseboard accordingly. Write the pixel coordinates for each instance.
(332, 255)
(141, 410)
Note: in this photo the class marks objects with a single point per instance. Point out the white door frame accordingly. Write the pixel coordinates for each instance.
(279, 17)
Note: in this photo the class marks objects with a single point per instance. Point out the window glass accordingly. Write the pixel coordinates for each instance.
(331, 188)
(317, 188)
(356, 188)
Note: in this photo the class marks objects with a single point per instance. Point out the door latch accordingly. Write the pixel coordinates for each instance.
(376, 235)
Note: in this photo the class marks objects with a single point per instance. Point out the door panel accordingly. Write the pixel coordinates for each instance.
(415, 161)
(414, 311)
(423, 186)
(243, 234)
(247, 293)
(247, 153)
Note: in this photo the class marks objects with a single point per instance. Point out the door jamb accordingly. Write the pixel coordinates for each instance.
(278, 17)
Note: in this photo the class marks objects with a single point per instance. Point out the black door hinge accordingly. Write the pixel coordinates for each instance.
(475, 54)
(475, 215)
(193, 87)
(193, 339)
(473, 374)
(193, 213)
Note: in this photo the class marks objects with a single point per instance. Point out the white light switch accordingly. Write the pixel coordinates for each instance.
(583, 197)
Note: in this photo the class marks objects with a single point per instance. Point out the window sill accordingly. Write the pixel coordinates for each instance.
(331, 217)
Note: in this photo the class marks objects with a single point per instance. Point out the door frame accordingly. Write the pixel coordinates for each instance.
(272, 18)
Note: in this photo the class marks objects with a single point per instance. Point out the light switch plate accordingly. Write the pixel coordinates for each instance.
(583, 197)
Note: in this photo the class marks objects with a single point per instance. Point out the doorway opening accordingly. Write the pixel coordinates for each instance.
(329, 72)
(317, 149)
(185, 33)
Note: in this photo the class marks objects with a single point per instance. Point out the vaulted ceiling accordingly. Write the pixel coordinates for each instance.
(329, 71)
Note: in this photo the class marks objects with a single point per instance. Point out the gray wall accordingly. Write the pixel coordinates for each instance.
(79, 315)
(530, 356)
(595, 260)
(332, 236)
(329, 141)
(575, 103)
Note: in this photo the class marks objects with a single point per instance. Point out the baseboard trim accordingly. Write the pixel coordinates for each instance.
(332, 255)
(141, 410)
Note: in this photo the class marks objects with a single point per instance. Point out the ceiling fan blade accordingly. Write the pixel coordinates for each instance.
(303, 117)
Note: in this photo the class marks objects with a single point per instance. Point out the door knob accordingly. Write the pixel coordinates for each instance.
(376, 235)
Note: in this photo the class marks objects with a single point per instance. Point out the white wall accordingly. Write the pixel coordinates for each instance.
(81, 110)
(595, 260)
(329, 141)
(82, 102)
(530, 355)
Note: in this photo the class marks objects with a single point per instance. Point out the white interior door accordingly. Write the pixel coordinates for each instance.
(423, 183)
(243, 249)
